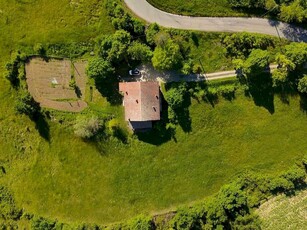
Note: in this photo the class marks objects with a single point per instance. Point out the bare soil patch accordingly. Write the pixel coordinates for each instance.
(48, 83)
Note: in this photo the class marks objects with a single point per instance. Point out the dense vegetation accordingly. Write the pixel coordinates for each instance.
(285, 10)
(90, 169)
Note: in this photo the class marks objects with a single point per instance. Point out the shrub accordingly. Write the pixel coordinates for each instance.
(27, 105)
(242, 44)
(87, 127)
(140, 222)
(185, 219)
(302, 85)
(99, 69)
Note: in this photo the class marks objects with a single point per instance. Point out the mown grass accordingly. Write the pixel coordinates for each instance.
(217, 8)
(284, 212)
(66, 178)
(77, 181)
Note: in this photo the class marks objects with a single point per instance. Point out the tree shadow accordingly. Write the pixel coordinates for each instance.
(183, 115)
(109, 89)
(41, 125)
(261, 90)
(78, 91)
(303, 102)
(294, 33)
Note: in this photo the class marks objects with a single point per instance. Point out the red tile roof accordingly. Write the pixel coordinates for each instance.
(141, 100)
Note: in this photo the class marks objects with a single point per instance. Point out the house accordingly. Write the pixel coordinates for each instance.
(142, 103)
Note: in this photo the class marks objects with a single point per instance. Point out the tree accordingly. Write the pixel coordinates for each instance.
(297, 53)
(256, 63)
(167, 58)
(284, 63)
(175, 96)
(27, 105)
(279, 77)
(302, 85)
(99, 69)
(87, 127)
(114, 48)
(294, 12)
(140, 222)
(151, 32)
(140, 52)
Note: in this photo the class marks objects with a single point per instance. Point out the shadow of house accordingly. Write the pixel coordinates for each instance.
(160, 133)
(142, 102)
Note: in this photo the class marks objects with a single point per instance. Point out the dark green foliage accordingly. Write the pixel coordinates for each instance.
(114, 47)
(247, 222)
(297, 53)
(302, 85)
(233, 200)
(175, 96)
(99, 69)
(15, 68)
(247, 3)
(167, 57)
(151, 32)
(121, 20)
(39, 223)
(242, 44)
(185, 219)
(140, 52)
(140, 222)
(256, 63)
(27, 105)
(8, 210)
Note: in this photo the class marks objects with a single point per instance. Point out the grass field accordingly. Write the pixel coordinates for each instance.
(75, 181)
(217, 8)
(284, 212)
(66, 178)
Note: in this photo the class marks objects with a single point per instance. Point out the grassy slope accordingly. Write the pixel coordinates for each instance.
(285, 212)
(70, 180)
(197, 7)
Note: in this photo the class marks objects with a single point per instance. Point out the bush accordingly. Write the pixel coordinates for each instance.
(302, 85)
(185, 219)
(99, 69)
(87, 127)
(27, 105)
(140, 222)
(242, 44)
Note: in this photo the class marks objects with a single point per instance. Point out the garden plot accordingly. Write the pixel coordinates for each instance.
(49, 84)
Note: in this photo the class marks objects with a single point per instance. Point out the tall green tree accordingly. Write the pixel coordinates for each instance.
(167, 57)
(256, 63)
(99, 69)
(140, 52)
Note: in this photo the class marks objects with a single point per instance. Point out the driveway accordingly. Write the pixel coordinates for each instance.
(148, 73)
(217, 24)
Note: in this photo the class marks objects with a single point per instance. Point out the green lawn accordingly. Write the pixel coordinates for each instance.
(283, 212)
(217, 8)
(76, 181)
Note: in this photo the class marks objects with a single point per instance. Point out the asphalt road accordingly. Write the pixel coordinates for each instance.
(217, 24)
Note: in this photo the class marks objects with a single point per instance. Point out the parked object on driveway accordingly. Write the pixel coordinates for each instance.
(134, 72)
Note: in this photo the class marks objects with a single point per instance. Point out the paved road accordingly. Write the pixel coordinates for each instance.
(218, 24)
(148, 73)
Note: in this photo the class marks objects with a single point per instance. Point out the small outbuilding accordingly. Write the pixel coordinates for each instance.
(142, 103)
